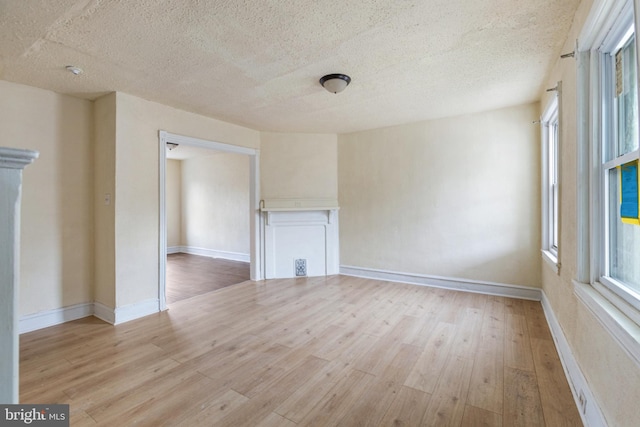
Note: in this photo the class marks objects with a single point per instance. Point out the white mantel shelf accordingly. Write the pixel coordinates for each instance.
(15, 158)
(293, 205)
(271, 206)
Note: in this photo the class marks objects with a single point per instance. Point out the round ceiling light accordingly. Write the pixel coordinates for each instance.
(74, 70)
(335, 83)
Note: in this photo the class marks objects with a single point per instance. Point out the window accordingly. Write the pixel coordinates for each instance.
(550, 183)
(619, 247)
(608, 248)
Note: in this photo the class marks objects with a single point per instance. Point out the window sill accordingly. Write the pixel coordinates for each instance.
(551, 259)
(621, 326)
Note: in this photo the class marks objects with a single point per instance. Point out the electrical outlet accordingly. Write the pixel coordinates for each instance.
(582, 400)
(300, 266)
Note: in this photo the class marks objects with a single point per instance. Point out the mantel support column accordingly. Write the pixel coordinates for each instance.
(12, 162)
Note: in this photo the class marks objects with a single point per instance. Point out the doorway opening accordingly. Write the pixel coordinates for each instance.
(254, 215)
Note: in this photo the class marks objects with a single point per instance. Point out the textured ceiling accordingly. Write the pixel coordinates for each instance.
(257, 63)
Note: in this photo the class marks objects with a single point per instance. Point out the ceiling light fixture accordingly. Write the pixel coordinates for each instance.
(74, 70)
(335, 83)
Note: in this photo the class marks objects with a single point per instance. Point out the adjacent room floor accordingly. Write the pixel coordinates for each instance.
(307, 352)
(191, 275)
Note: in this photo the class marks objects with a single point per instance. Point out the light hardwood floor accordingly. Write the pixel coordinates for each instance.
(308, 352)
(190, 275)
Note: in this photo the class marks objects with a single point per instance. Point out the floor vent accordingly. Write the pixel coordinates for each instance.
(301, 267)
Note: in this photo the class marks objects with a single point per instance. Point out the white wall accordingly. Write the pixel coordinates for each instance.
(455, 197)
(174, 202)
(56, 268)
(137, 209)
(215, 203)
(298, 165)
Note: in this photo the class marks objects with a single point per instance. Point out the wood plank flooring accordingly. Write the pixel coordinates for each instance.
(307, 352)
(190, 275)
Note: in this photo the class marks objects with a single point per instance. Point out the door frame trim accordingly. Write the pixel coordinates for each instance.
(256, 270)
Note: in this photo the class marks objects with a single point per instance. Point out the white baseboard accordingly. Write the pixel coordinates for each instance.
(589, 411)
(53, 317)
(33, 322)
(136, 310)
(212, 253)
(105, 313)
(489, 288)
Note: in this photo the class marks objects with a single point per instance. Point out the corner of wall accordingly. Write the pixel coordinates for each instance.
(104, 199)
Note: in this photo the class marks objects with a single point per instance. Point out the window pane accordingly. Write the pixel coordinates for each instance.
(624, 240)
(627, 98)
(554, 217)
(552, 183)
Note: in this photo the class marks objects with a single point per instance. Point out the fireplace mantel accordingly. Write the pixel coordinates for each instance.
(300, 229)
(12, 162)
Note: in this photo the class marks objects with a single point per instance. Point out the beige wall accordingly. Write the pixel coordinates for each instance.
(612, 376)
(75, 248)
(215, 203)
(104, 186)
(298, 165)
(174, 202)
(455, 197)
(57, 211)
(137, 124)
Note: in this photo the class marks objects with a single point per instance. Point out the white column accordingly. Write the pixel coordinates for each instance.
(12, 162)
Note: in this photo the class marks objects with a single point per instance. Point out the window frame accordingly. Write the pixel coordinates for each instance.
(616, 314)
(550, 132)
(615, 39)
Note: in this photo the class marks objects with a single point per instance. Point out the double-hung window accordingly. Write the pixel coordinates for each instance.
(619, 252)
(550, 184)
(608, 271)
